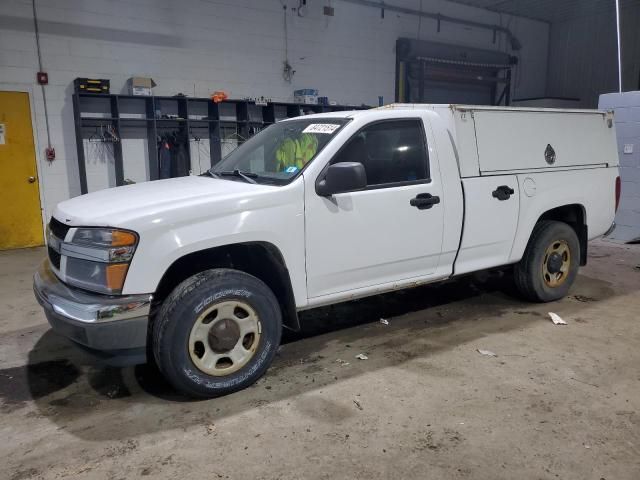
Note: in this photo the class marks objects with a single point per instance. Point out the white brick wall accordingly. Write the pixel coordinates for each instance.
(198, 46)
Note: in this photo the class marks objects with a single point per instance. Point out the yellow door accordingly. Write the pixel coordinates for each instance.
(20, 217)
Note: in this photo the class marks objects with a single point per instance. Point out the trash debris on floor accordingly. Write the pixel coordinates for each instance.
(357, 403)
(488, 353)
(342, 362)
(556, 319)
(384, 321)
(583, 298)
(362, 356)
(211, 428)
(586, 383)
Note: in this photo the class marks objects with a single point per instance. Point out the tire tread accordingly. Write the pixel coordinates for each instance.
(164, 319)
(525, 271)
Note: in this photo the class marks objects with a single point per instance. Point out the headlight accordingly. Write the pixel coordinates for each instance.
(98, 258)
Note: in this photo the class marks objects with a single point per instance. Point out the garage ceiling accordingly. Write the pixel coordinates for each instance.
(551, 11)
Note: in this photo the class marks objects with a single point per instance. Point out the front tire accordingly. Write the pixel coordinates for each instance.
(217, 333)
(550, 262)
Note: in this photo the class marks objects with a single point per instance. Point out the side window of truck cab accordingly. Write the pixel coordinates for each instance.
(393, 153)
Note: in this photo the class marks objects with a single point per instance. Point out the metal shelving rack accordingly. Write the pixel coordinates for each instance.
(211, 120)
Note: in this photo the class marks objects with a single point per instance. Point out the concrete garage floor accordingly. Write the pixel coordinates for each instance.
(557, 402)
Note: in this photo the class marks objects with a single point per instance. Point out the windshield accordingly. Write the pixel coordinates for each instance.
(279, 153)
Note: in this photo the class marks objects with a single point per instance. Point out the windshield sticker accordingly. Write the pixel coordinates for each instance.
(327, 128)
(291, 169)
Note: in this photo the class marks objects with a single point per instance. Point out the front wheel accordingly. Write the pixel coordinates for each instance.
(550, 263)
(217, 332)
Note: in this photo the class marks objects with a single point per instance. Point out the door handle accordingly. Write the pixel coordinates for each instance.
(503, 192)
(422, 201)
(31, 179)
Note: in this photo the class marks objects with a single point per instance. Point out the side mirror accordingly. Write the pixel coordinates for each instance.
(342, 177)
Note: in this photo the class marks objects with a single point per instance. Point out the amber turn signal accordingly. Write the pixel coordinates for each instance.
(120, 238)
(116, 273)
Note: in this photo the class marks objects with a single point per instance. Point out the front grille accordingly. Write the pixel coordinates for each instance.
(54, 257)
(59, 229)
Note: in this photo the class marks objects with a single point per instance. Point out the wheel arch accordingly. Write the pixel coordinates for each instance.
(263, 260)
(574, 215)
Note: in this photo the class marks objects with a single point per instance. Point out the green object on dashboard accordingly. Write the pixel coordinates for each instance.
(296, 152)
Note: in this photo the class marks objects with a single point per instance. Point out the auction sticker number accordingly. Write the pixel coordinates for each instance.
(328, 128)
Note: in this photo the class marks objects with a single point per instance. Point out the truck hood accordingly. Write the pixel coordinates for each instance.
(118, 206)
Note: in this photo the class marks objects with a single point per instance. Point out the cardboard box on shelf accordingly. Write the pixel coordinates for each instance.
(141, 86)
(308, 96)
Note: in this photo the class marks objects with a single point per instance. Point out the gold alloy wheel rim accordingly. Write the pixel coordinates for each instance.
(224, 338)
(556, 263)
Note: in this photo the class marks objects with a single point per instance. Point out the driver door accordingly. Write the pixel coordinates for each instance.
(361, 239)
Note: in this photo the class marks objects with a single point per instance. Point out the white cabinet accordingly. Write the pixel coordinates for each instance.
(626, 107)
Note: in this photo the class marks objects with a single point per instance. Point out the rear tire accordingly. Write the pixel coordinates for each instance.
(217, 333)
(550, 262)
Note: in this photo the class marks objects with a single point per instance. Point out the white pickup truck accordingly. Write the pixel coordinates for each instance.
(203, 272)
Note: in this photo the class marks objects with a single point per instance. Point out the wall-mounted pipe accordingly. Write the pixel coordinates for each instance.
(44, 93)
(515, 43)
(619, 49)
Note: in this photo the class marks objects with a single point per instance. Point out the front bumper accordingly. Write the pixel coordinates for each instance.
(113, 327)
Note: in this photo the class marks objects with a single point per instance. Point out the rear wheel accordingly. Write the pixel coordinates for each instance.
(550, 263)
(217, 332)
